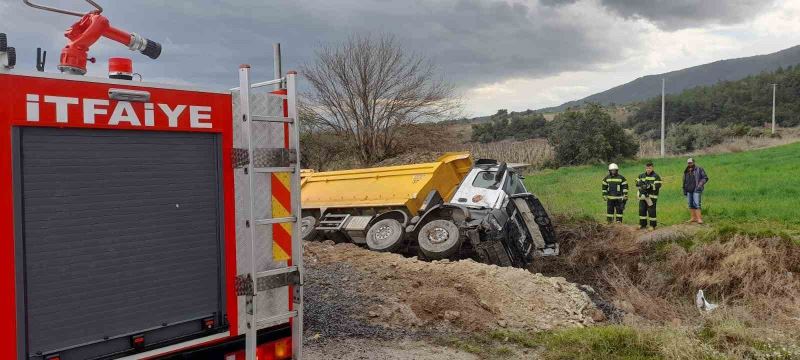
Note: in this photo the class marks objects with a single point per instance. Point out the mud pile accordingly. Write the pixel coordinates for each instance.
(406, 295)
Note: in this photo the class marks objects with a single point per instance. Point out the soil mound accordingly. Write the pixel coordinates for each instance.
(406, 294)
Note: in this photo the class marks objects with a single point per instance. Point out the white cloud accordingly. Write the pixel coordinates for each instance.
(652, 51)
(514, 54)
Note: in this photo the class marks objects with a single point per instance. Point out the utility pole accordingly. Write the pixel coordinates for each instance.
(774, 89)
(663, 112)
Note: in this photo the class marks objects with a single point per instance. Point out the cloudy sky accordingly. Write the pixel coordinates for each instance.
(518, 55)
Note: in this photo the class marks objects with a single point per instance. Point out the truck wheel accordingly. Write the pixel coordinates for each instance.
(494, 253)
(385, 235)
(439, 239)
(308, 228)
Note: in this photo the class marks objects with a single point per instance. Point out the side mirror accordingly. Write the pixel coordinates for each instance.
(500, 172)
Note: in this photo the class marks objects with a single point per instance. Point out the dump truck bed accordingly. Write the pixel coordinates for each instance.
(385, 187)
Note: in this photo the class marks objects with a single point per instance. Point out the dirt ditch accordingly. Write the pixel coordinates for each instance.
(654, 276)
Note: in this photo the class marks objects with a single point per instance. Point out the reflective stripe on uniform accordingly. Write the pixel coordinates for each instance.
(642, 217)
(619, 215)
(615, 197)
(614, 180)
(654, 196)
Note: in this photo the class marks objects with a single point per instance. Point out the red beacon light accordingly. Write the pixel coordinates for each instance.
(87, 31)
(120, 68)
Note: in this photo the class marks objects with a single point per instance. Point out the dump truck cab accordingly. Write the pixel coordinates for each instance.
(488, 185)
(491, 218)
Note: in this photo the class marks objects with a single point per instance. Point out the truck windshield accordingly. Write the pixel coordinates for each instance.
(485, 180)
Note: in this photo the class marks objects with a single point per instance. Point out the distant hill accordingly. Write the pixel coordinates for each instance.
(708, 74)
(740, 103)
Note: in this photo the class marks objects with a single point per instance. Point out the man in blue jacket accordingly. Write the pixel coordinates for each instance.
(694, 181)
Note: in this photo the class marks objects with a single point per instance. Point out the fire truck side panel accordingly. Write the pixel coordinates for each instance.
(9, 341)
(124, 217)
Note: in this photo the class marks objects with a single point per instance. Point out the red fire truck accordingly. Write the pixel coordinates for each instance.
(143, 220)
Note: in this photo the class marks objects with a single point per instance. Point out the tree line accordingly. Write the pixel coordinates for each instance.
(745, 102)
(516, 125)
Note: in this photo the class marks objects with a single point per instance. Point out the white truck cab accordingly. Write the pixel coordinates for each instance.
(488, 185)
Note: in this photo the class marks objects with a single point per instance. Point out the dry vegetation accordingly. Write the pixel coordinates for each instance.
(651, 148)
(653, 280)
(536, 152)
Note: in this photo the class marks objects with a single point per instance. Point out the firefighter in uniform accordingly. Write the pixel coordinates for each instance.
(648, 184)
(615, 193)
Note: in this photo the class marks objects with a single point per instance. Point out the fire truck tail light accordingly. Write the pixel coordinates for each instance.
(208, 323)
(283, 349)
(273, 350)
(137, 342)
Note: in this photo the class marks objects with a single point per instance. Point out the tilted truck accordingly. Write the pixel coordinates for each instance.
(450, 208)
(146, 221)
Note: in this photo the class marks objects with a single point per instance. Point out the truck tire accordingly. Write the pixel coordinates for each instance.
(385, 235)
(439, 239)
(3, 42)
(308, 228)
(494, 253)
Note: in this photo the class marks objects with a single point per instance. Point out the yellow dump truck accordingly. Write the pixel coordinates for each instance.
(450, 208)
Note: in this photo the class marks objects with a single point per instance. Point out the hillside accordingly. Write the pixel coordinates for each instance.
(742, 102)
(754, 188)
(679, 80)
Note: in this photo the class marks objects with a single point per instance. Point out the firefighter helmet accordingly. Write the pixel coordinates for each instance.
(613, 166)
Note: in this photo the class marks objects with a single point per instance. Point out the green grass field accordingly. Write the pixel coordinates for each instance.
(754, 190)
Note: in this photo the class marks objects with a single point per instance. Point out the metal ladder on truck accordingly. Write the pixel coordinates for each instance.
(253, 282)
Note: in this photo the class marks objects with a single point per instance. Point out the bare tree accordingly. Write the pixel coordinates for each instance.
(368, 88)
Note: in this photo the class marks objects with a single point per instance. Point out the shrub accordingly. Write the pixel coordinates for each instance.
(325, 150)
(755, 132)
(684, 138)
(739, 130)
(582, 137)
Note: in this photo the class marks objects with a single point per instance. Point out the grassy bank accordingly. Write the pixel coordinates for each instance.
(755, 189)
(718, 339)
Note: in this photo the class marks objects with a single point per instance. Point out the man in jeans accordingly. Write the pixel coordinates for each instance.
(694, 181)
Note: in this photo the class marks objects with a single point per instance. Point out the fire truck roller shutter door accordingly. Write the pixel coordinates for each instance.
(121, 234)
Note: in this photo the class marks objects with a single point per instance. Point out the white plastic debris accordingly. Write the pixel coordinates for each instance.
(702, 304)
